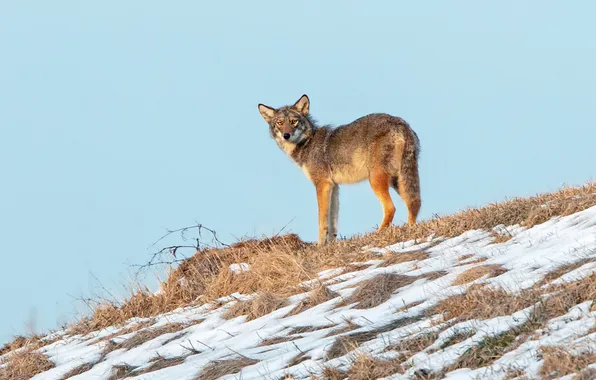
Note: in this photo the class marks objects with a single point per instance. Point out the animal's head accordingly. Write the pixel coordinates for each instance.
(289, 123)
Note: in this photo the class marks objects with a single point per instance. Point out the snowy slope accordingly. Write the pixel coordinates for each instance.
(527, 257)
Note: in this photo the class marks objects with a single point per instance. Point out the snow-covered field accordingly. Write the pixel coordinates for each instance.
(305, 339)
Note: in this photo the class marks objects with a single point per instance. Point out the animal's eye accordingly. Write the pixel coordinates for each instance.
(279, 122)
(294, 122)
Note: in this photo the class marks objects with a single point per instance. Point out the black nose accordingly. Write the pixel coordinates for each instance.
(287, 136)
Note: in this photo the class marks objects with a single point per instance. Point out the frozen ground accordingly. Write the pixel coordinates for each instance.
(527, 257)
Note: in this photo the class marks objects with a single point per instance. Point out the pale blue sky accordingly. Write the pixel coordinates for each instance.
(119, 119)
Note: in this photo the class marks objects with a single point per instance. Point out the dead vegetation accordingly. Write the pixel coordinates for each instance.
(161, 362)
(366, 367)
(319, 294)
(278, 265)
(121, 371)
(261, 304)
(281, 263)
(397, 258)
(477, 272)
(458, 337)
(344, 344)
(24, 364)
(558, 362)
(77, 370)
(220, 368)
(277, 340)
(375, 291)
(418, 343)
(146, 335)
(483, 303)
(500, 237)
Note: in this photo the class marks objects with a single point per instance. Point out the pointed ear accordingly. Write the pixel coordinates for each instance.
(267, 112)
(302, 105)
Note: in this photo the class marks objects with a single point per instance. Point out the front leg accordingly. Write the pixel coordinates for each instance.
(323, 195)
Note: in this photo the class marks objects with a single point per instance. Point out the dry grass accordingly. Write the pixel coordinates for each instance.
(560, 362)
(409, 306)
(128, 330)
(477, 261)
(366, 367)
(77, 370)
(140, 337)
(277, 340)
(486, 352)
(317, 296)
(120, 371)
(484, 303)
(306, 329)
(160, 362)
(220, 368)
(331, 373)
(281, 263)
(458, 337)
(415, 344)
(346, 343)
(375, 291)
(261, 304)
(350, 326)
(146, 335)
(477, 272)
(563, 269)
(500, 238)
(24, 365)
(396, 258)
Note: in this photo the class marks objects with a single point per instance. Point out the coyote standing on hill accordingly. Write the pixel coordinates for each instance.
(380, 147)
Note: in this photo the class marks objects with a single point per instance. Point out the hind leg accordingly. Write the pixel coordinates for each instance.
(409, 191)
(379, 182)
(333, 212)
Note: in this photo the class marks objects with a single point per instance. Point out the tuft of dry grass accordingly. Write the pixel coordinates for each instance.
(220, 368)
(415, 344)
(477, 272)
(261, 304)
(375, 291)
(487, 351)
(160, 362)
(146, 335)
(458, 337)
(566, 268)
(306, 329)
(484, 303)
(317, 296)
(331, 373)
(343, 344)
(558, 362)
(396, 258)
(24, 365)
(78, 370)
(367, 367)
(120, 371)
(277, 340)
(500, 238)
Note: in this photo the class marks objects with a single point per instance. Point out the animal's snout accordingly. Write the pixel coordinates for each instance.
(287, 136)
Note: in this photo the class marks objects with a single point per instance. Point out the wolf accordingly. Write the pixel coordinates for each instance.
(379, 147)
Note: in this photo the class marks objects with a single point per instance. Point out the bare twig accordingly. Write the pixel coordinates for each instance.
(173, 251)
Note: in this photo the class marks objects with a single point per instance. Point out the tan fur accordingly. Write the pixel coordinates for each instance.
(378, 147)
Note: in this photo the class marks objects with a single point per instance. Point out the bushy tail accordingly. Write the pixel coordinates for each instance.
(407, 183)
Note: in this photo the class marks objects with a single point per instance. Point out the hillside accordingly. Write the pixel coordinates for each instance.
(506, 291)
